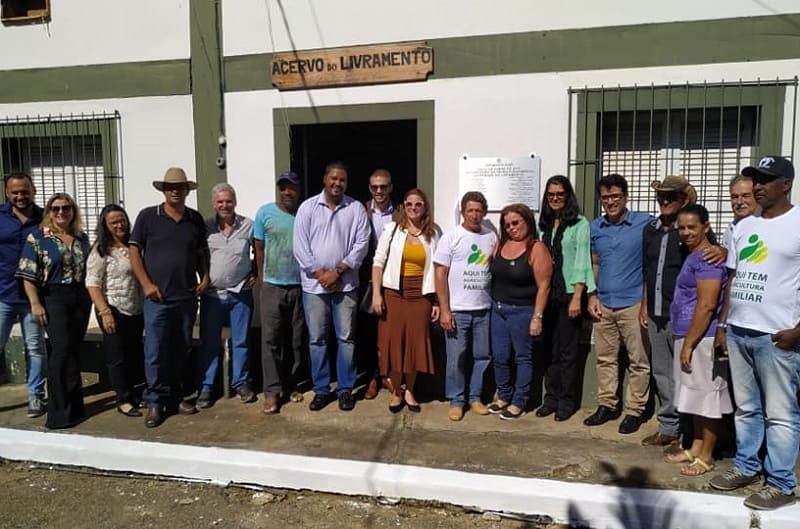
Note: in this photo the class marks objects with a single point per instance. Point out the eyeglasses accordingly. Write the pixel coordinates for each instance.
(376, 187)
(556, 194)
(512, 223)
(665, 198)
(612, 197)
(410, 205)
(58, 209)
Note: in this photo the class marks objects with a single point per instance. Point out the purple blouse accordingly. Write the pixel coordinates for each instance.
(685, 301)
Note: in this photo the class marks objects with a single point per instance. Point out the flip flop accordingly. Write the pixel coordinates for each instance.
(698, 467)
(683, 456)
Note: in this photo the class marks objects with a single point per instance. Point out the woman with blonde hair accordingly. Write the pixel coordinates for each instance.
(403, 298)
(53, 269)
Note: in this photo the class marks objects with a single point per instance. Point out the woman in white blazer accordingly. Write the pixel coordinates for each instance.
(404, 298)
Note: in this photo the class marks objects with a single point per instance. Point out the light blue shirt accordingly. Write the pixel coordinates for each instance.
(619, 249)
(325, 237)
(276, 228)
(379, 220)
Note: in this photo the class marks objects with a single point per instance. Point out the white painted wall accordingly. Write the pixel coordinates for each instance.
(99, 32)
(483, 116)
(257, 26)
(157, 133)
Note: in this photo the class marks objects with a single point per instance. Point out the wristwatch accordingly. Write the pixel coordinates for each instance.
(339, 270)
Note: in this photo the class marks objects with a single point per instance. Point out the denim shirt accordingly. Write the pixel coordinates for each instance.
(618, 247)
(12, 239)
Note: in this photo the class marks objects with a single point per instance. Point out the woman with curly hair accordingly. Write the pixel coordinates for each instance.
(404, 298)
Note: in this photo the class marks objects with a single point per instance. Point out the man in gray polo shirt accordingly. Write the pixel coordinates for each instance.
(229, 297)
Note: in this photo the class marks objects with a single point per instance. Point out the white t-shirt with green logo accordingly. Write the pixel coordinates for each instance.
(765, 291)
(467, 255)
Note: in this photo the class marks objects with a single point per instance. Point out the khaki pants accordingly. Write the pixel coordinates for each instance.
(613, 325)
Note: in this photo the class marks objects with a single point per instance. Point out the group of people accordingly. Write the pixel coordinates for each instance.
(677, 298)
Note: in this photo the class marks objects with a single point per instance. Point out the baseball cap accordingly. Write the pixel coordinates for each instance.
(289, 176)
(771, 166)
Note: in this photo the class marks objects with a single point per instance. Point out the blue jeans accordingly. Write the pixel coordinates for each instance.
(167, 345)
(320, 310)
(512, 352)
(35, 352)
(469, 340)
(765, 380)
(236, 307)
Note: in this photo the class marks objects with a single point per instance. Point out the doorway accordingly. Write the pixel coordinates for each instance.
(362, 146)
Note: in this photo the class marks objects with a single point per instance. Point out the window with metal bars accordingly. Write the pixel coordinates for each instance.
(705, 132)
(79, 155)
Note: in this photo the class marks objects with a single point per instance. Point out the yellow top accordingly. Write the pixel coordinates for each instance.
(413, 260)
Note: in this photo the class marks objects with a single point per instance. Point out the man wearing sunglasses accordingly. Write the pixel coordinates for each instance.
(169, 251)
(761, 316)
(662, 260)
(380, 211)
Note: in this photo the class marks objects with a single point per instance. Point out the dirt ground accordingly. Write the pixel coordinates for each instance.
(42, 498)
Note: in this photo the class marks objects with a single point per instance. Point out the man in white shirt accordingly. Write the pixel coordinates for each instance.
(762, 315)
(462, 286)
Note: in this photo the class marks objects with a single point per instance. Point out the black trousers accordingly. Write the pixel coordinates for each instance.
(562, 337)
(124, 352)
(284, 342)
(68, 309)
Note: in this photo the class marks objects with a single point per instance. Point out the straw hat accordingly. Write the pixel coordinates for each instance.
(174, 175)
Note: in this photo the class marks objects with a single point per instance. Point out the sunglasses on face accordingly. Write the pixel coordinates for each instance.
(512, 223)
(414, 204)
(665, 198)
(175, 187)
(377, 187)
(556, 194)
(58, 209)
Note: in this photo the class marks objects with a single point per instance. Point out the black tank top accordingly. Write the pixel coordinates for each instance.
(512, 280)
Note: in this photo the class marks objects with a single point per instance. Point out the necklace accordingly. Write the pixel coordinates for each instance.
(415, 234)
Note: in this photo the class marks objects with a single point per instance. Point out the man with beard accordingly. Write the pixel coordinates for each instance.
(331, 238)
(19, 216)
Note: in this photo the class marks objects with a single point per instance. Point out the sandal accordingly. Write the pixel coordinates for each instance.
(698, 467)
(296, 396)
(683, 456)
(497, 407)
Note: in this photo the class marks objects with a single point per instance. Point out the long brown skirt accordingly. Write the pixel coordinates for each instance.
(404, 339)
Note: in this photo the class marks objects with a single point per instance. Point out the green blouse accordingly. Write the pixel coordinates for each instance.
(577, 259)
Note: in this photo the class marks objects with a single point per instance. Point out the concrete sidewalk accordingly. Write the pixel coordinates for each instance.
(482, 445)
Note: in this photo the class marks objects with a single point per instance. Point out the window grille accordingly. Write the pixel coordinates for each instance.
(79, 155)
(705, 132)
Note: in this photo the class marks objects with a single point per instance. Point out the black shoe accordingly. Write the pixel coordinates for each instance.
(395, 408)
(129, 411)
(601, 416)
(346, 401)
(563, 415)
(186, 408)
(545, 410)
(205, 400)
(320, 401)
(153, 418)
(630, 424)
(246, 394)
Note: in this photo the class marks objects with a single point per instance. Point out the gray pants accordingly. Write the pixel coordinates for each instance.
(662, 350)
(284, 356)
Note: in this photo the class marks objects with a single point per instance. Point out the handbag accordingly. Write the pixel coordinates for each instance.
(365, 305)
